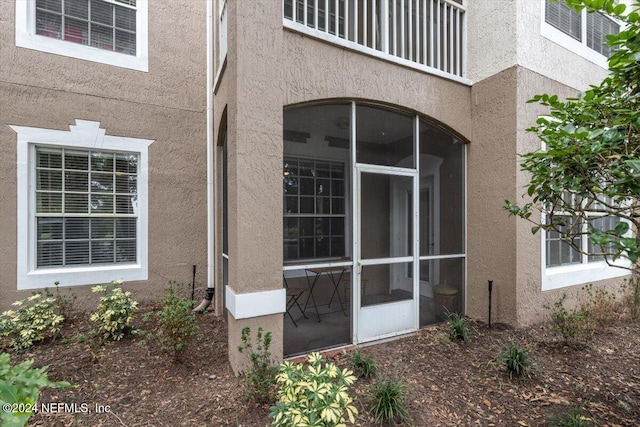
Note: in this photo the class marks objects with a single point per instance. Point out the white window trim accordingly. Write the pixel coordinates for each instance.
(86, 135)
(26, 37)
(578, 47)
(577, 274)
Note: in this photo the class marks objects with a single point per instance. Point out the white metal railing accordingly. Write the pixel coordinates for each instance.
(429, 33)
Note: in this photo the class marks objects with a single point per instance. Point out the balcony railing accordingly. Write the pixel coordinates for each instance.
(427, 34)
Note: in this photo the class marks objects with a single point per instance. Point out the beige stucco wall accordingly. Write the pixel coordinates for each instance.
(491, 170)
(254, 105)
(166, 105)
(332, 72)
(529, 294)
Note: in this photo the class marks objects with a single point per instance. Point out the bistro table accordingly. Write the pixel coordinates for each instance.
(332, 273)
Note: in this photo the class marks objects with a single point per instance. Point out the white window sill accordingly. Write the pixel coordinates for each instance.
(76, 276)
(577, 274)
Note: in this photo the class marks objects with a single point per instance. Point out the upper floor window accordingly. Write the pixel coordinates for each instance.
(589, 29)
(98, 23)
(108, 31)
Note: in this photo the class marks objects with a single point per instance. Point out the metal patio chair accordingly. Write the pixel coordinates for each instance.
(293, 295)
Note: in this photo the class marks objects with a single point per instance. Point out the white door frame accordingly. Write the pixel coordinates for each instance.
(389, 319)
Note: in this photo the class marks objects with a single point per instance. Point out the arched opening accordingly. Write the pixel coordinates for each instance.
(373, 218)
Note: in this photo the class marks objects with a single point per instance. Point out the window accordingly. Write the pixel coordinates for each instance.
(589, 29)
(565, 264)
(314, 208)
(82, 206)
(86, 207)
(108, 31)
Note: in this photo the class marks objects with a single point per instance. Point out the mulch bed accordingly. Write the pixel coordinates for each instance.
(449, 384)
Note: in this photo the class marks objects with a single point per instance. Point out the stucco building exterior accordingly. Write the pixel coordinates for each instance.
(335, 169)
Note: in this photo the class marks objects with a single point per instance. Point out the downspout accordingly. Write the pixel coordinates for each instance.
(208, 298)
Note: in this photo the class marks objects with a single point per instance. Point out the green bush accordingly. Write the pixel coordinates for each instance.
(63, 302)
(313, 395)
(364, 365)
(115, 310)
(34, 319)
(459, 328)
(388, 400)
(177, 324)
(260, 376)
(516, 359)
(19, 387)
(572, 325)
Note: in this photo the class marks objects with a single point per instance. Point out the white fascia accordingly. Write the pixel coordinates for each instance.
(255, 304)
(26, 37)
(86, 135)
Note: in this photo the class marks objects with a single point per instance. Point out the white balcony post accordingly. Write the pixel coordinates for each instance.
(384, 31)
(402, 38)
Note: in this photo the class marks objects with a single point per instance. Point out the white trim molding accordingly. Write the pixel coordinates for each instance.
(84, 135)
(580, 274)
(255, 304)
(26, 37)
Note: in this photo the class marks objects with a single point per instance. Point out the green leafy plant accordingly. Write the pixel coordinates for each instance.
(34, 319)
(177, 324)
(364, 365)
(19, 387)
(313, 395)
(387, 400)
(574, 418)
(115, 310)
(459, 328)
(516, 359)
(260, 376)
(63, 302)
(572, 324)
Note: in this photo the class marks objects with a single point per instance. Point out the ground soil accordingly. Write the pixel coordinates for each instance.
(449, 384)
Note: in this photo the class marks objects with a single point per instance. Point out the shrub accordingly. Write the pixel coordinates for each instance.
(600, 306)
(260, 376)
(364, 365)
(387, 400)
(34, 319)
(516, 359)
(573, 325)
(115, 310)
(459, 328)
(176, 322)
(19, 387)
(315, 395)
(574, 418)
(63, 302)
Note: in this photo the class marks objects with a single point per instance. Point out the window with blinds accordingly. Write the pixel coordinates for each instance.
(565, 19)
(598, 27)
(572, 23)
(86, 207)
(104, 24)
